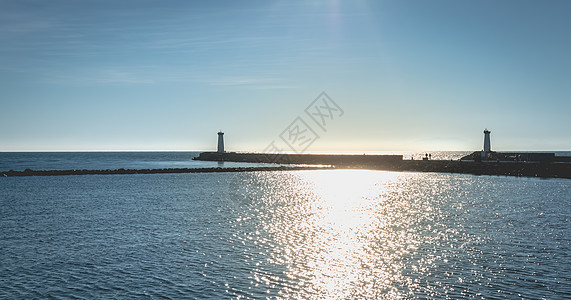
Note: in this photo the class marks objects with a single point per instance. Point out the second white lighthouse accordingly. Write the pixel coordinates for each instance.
(220, 142)
(487, 145)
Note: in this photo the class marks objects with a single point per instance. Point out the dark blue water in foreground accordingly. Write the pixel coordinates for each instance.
(338, 234)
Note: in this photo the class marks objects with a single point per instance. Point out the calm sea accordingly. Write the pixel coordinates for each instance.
(19, 161)
(326, 234)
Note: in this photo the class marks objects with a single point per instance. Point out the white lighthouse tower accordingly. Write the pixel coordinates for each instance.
(487, 145)
(221, 142)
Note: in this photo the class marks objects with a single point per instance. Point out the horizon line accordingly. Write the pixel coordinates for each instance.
(284, 152)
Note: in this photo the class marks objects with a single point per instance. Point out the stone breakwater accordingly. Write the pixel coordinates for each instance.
(522, 169)
(367, 162)
(396, 163)
(29, 172)
(303, 159)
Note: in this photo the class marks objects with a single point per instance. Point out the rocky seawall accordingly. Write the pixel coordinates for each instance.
(29, 172)
(302, 159)
(325, 162)
(522, 169)
(396, 163)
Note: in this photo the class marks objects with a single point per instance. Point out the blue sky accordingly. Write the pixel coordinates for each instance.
(167, 75)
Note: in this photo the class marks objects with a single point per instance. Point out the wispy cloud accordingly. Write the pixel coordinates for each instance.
(102, 77)
(249, 82)
(144, 48)
(239, 81)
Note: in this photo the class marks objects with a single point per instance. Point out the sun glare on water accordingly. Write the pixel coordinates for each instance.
(344, 222)
(334, 231)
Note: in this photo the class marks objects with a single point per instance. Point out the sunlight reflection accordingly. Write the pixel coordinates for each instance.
(335, 237)
(355, 234)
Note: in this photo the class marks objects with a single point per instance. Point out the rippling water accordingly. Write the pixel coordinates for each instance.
(299, 234)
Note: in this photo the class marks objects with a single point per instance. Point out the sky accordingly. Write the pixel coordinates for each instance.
(168, 75)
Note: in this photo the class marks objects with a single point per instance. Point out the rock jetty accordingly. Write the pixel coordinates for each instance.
(396, 163)
(29, 172)
(326, 162)
(343, 161)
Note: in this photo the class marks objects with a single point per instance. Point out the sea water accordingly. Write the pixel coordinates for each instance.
(337, 234)
(19, 161)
